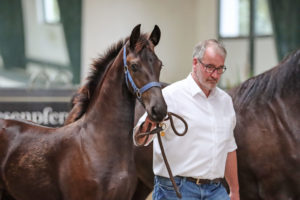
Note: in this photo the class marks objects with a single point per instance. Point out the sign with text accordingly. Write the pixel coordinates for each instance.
(45, 107)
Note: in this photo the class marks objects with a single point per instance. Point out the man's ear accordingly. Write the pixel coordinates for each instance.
(195, 62)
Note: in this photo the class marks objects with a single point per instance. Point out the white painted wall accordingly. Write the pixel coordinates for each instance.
(237, 61)
(265, 54)
(106, 21)
(182, 23)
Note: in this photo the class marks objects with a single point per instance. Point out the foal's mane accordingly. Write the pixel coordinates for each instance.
(280, 81)
(81, 99)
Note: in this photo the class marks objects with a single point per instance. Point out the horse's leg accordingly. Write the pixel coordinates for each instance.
(141, 191)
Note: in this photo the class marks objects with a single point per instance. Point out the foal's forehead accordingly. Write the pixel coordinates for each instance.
(146, 51)
(143, 43)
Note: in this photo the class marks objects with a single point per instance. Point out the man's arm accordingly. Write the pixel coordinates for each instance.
(231, 175)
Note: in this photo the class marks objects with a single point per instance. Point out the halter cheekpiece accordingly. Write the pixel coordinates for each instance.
(137, 91)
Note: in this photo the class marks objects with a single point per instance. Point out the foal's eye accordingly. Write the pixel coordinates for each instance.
(134, 67)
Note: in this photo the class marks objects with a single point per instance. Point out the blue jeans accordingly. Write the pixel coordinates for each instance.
(163, 190)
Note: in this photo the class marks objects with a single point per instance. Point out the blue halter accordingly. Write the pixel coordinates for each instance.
(138, 91)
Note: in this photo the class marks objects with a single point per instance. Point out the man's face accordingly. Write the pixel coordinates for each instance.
(208, 80)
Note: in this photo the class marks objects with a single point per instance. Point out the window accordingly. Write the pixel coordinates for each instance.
(262, 18)
(51, 11)
(234, 18)
(39, 63)
(39, 55)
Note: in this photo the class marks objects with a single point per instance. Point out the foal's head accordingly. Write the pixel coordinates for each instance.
(144, 67)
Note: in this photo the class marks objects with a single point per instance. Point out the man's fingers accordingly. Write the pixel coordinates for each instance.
(148, 125)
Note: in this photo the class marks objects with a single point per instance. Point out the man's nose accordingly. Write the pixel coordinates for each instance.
(215, 74)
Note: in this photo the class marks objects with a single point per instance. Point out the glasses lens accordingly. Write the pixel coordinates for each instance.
(221, 70)
(210, 69)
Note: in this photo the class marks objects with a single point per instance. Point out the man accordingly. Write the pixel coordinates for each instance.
(208, 151)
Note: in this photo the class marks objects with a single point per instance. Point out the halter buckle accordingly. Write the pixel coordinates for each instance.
(125, 68)
(163, 125)
(138, 94)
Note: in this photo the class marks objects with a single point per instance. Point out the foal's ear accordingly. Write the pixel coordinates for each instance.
(135, 34)
(155, 35)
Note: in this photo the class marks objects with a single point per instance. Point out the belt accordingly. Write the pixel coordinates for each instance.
(200, 181)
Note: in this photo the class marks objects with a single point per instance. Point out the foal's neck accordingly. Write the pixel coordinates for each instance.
(112, 111)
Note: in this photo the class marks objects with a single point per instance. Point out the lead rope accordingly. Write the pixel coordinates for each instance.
(159, 130)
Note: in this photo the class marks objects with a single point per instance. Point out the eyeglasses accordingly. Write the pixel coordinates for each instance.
(209, 68)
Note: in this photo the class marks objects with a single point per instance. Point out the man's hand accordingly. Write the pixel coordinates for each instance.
(147, 126)
(234, 195)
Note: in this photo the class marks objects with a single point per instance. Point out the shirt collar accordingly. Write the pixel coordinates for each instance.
(195, 89)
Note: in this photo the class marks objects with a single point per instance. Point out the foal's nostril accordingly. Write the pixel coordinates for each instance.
(154, 111)
(158, 113)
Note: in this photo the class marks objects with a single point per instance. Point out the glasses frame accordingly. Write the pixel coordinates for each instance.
(209, 68)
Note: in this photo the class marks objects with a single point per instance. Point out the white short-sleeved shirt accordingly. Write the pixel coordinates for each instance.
(202, 152)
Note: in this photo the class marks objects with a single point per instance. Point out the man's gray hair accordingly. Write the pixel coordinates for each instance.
(200, 48)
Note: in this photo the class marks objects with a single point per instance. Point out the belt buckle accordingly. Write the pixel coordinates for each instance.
(198, 181)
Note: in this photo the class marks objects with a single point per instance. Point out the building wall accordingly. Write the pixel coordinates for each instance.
(182, 23)
(105, 22)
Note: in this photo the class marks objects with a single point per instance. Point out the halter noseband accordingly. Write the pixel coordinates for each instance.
(137, 91)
